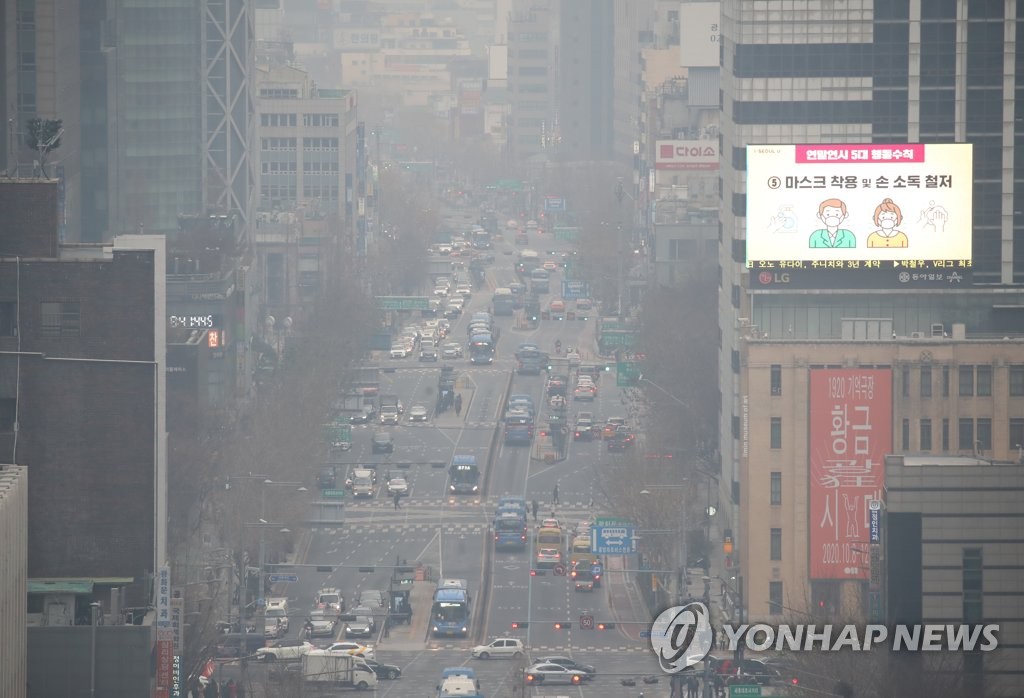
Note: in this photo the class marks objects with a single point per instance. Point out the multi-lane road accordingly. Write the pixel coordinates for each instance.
(449, 534)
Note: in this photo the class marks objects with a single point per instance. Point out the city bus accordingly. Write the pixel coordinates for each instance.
(503, 302)
(540, 280)
(464, 475)
(527, 262)
(449, 615)
(510, 530)
(480, 239)
(481, 349)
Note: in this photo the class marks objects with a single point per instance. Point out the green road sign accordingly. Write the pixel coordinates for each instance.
(403, 303)
(744, 691)
(617, 338)
(627, 373)
(569, 234)
(334, 493)
(611, 521)
(509, 184)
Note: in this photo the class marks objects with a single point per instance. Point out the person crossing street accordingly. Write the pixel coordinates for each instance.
(554, 495)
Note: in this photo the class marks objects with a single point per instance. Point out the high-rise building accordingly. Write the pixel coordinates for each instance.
(898, 72)
(13, 579)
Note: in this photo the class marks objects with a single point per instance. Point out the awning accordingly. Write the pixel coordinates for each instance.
(74, 585)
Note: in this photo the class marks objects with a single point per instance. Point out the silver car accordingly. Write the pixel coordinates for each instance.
(554, 673)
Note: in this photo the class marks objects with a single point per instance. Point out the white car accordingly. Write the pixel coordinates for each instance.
(464, 290)
(418, 413)
(452, 350)
(458, 301)
(284, 650)
(399, 351)
(323, 623)
(502, 647)
(554, 673)
(441, 291)
(399, 486)
(353, 648)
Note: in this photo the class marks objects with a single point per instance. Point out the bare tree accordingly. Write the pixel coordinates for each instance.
(410, 221)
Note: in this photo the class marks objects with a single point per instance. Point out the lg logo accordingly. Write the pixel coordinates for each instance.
(767, 278)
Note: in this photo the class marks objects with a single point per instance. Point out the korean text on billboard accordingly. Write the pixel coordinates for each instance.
(850, 434)
(858, 206)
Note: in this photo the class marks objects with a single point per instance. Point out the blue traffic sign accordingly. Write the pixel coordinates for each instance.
(284, 578)
(575, 289)
(596, 570)
(613, 540)
(645, 633)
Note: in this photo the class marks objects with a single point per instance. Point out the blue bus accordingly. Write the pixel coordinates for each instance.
(540, 280)
(510, 529)
(449, 615)
(481, 349)
(530, 360)
(481, 239)
(464, 475)
(503, 302)
(518, 428)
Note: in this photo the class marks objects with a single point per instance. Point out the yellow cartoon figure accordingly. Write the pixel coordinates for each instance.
(887, 217)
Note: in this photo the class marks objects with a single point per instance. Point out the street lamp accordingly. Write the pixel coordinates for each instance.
(94, 608)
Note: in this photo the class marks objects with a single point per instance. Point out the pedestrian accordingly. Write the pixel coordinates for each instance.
(458, 404)
(554, 495)
(398, 498)
(535, 505)
(692, 687)
(232, 688)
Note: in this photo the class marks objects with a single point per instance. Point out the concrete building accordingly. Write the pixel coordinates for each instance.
(894, 72)
(82, 353)
(532, 57)
(952, 553)
(13, 579)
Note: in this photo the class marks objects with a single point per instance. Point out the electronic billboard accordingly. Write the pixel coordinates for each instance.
(859, 215)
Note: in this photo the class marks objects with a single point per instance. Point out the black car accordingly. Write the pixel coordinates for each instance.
(383, 671)
(365, 416)
(383, 442)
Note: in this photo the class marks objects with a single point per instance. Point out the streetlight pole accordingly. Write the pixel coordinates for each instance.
(94, 607)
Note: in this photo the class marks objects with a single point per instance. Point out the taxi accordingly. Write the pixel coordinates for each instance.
(611, 426)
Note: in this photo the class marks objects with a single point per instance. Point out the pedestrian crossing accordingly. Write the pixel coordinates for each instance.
(389, 529)
(491, 503)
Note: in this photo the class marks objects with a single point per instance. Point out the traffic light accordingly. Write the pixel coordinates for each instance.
(520, 625)
(566, 625)
(405, 570)
(605, 626)
(324, 568)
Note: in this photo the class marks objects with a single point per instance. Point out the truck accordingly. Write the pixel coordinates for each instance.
(439, 266)
(337, 669)
(388, 409)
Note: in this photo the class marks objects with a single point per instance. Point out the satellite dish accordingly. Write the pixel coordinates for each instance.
(269, 321)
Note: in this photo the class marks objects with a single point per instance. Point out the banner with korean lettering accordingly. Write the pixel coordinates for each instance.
(850, 433)
(859, 203)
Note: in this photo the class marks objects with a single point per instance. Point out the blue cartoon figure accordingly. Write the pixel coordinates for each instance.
(832, 212)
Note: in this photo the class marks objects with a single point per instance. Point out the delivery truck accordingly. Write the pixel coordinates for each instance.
(337, 668)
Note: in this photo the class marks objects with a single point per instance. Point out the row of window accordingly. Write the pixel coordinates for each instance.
(57, 319)
(313, 144)
(972, 380)
(279, 93)
(973, 434)
(310, 120)
(325, 190)
(291, 167)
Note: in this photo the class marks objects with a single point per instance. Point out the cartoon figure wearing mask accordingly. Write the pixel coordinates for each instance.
(887, 217)
(832, 212)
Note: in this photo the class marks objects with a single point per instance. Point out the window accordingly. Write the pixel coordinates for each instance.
(983, 433)
(966, 381)
(905, 435)
(945, 434)
(1016, 433)
(971, 579)
(8, 318)
(776, 487)
(775, 598)
(59, 319)
(926, 381)
(776, 379)
(905, 380)
(775, 546)
(966, 441)
(945, 381)
(984, 381)
(7, 413)
(1017, 380)
(776, 432)
(926, 435)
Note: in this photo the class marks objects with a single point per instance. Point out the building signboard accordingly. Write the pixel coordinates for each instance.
(859, 216)
(163, 597)
(700, 34)
(850, 432)
(686, 155)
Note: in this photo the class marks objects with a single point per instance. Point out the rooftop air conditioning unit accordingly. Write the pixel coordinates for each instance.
(917, 335)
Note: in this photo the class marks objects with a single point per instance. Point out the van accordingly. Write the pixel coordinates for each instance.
(276, 617)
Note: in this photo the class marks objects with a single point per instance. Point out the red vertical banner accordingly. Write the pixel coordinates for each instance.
(850, 433)
(164, 659)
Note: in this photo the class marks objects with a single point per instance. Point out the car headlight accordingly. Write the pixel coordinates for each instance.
(452, 488)
(463, 628)
(435, 628)
(475, 488)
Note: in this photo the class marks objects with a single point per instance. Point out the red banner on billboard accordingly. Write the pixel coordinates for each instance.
(164, 659)
(850, 435)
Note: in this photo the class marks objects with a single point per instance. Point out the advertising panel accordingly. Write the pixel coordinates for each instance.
(850, 432)
(686, 155)
(700, 34)
(858, 216)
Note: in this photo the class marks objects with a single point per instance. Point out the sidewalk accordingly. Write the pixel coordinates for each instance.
(628, 610)
(448, 418)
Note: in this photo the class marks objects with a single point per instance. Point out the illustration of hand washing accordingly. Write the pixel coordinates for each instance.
(784, 221)
(934, 217)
